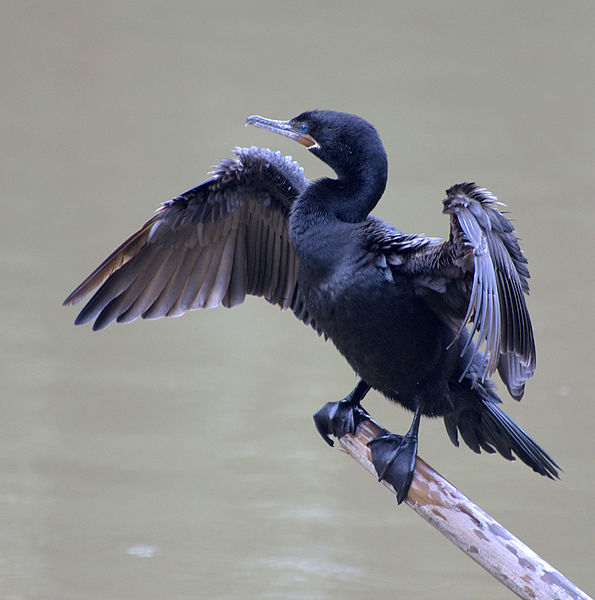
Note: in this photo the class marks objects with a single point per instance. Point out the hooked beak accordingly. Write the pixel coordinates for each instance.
(286, 128)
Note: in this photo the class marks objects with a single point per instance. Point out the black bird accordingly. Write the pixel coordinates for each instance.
(425, 322)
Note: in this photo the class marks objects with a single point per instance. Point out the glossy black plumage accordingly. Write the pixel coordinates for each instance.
(424, 321)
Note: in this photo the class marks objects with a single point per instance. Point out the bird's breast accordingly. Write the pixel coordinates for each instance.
(384, 330)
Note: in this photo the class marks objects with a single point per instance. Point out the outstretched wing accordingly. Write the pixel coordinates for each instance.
(500, 280)
(478, 278)
(211, 245)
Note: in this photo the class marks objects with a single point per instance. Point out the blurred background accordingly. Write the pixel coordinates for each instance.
(177, 458)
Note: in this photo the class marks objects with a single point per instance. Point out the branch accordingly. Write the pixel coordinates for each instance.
(471, 529)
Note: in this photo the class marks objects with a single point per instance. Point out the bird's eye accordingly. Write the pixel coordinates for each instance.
(304, 128)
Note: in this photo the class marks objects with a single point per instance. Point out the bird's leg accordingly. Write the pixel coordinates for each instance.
(394, 457)
(339, 418)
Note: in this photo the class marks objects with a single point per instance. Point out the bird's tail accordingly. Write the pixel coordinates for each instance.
(483, 425)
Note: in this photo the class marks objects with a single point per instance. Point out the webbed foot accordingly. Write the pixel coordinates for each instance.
(394, 456)
(339, 418)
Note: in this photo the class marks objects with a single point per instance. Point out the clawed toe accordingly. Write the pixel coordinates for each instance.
(393, 457)
(339, 418)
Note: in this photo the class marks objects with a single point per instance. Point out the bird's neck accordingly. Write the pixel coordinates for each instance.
(320, 218)
(351, 197)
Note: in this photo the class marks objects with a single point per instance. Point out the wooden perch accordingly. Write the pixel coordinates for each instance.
(471, 529)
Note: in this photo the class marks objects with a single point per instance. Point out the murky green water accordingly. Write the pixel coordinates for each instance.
(177, 459)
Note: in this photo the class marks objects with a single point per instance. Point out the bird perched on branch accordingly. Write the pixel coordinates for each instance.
(426, 322)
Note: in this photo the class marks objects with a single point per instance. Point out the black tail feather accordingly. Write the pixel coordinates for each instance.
(483, 425)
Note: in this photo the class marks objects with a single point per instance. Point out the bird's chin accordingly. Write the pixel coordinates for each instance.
(308, 141)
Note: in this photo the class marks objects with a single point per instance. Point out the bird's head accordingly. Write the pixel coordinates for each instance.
(345, 142)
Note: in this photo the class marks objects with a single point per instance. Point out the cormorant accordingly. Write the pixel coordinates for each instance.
(426, 322)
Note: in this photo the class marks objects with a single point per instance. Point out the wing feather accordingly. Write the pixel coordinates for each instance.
(212, 245)
(483, 241)
(167, 297)
(475, 281)
(139, 295)
(236, 292)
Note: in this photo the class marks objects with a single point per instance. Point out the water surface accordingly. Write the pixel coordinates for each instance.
(177, 459)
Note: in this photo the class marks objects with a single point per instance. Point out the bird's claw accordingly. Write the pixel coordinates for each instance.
(393, 457)
(339, 418)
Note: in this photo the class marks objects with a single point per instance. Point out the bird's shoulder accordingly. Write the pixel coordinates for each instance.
(396, 251)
